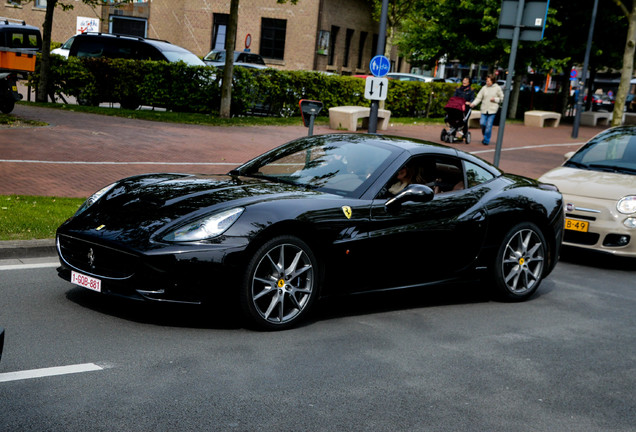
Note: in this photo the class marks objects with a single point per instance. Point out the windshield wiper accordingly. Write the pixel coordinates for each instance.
(604, 168)
(615, 169)
(576, 164)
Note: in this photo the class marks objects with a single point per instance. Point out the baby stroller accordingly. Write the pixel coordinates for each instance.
(457, 115)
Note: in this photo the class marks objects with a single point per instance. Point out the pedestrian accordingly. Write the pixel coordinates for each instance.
(465, 91)
(490, 96)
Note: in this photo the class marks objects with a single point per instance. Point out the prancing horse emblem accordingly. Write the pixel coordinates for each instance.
(91, 257)
(347, 211)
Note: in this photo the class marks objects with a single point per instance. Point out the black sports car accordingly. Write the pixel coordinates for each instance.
(317, 216)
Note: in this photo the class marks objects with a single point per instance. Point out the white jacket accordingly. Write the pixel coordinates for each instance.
(484, 97)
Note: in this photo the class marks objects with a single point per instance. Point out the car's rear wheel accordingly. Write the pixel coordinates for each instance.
(520, 262)
(281, 283)
(6, 106)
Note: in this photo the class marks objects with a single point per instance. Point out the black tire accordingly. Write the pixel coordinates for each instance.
(281, 284)
(7, 105)
(520, 262)
(443, 135)
(467, 137)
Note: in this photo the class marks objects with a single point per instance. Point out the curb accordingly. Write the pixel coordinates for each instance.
(12, 249)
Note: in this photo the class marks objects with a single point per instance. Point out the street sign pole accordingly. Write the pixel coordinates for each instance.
(375, 104)
(579, 99)
(511, 68)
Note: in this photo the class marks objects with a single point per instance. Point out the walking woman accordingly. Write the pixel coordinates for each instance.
(490, 96)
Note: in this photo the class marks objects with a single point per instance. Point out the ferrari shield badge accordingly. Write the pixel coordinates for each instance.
(347, 211)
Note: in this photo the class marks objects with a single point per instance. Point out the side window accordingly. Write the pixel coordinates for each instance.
(476, 175)
(440, 173)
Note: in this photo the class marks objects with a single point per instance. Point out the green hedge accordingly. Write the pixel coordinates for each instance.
(183, 88)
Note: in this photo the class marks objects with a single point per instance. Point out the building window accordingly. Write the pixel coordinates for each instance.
(128, 26)
(348, 38)
(273, 32)
(219, 30)
(332, 44)
(363, 39)
(40, 4)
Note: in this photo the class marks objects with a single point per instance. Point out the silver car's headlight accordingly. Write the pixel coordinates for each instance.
(627, 204)
(94, 198)
(205, 228)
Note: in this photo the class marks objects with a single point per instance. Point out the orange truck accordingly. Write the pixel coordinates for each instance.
(19, 44)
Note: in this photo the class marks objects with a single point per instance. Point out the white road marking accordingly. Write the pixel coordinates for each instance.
(29, 266)
(528, 147)
(47, 372)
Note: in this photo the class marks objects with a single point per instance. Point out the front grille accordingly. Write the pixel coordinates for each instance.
(581, 238)
(96, 259)
(578, 216)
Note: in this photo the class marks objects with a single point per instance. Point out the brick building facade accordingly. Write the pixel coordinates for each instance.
(330, 35)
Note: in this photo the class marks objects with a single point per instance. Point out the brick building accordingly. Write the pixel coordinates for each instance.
(329, 35)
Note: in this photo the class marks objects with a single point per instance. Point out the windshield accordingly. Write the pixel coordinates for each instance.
(612, 151)
(188, 58)
(216, 56)
(345, 165)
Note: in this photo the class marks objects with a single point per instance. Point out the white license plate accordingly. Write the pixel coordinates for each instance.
(86, 281)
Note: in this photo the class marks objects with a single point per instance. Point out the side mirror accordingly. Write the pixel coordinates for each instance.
(414, 193)
(568, 155)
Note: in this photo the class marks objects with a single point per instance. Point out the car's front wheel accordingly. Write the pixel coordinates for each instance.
(281, 283)
(520, 262)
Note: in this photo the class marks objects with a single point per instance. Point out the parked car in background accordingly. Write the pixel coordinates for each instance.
(129, 47)
(598, 183)
(401, 76)
(19, 44)
(601, 102)
(16, 34)
(64, 48)
(217, 58)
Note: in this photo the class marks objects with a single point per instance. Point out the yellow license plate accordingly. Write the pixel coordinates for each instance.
(576, 225)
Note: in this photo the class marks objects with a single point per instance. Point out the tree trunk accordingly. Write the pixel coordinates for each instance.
(228, 70)
(45, 62)
(514, 96)
(627, 70)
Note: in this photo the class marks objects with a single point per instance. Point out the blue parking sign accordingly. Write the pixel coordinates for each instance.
(379, 66)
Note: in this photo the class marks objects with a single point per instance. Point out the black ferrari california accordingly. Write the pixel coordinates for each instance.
(319, 216)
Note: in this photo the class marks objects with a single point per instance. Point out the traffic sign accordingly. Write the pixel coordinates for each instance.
(376, 88)
(379, 66)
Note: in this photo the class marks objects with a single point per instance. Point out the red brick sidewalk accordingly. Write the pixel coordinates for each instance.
(79, 153)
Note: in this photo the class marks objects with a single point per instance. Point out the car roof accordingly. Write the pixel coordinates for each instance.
(14, 23)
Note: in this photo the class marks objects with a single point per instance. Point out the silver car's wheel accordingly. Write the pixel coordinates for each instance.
(520, 262)
(281, 283)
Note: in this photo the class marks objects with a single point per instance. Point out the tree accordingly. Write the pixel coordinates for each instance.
(628, 60)
(228, 70)
(397, 12)
(45, 59)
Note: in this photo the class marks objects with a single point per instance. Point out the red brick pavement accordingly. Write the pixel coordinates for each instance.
(79, 153)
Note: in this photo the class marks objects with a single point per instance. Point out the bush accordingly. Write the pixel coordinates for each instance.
(183, 88)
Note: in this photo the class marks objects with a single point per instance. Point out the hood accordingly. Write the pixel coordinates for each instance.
(593, 184)
(138, 207)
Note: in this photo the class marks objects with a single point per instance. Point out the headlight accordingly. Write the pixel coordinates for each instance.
(630, 222)
(93, 198)
(207, 227)
(627, 204)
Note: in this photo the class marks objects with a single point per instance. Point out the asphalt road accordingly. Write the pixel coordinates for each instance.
(445, 360)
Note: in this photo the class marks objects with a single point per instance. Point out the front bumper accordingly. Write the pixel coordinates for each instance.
(606, 232)
(191, 274)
